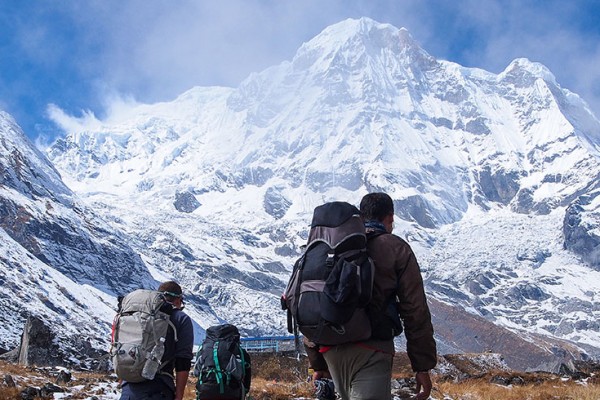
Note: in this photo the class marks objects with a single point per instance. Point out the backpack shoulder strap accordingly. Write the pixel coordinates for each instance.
(243, 371)
(166, 362)
(218, 372)
(243, 360)
(172, 325)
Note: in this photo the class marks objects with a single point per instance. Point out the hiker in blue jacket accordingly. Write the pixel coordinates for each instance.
(180, 353)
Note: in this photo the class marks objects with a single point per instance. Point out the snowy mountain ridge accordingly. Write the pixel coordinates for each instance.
(494, 179)
(59, 261)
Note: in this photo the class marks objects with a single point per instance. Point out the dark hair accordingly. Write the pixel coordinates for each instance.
(376, 206)
(171, 288)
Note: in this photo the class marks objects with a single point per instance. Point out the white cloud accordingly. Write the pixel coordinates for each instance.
(69, 123)
(154, 50)
(116, 109)
(159, 50)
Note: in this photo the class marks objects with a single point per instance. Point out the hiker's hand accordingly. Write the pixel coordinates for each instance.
(321, 374)
(424, 384)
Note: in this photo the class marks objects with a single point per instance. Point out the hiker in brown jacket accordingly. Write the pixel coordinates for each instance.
(364, 370)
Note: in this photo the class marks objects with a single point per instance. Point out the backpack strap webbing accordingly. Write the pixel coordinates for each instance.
(218, 373)
(164, 372)
(172, 325)
(295, 314)
(243, 372)
(157, 341)
(157, 337)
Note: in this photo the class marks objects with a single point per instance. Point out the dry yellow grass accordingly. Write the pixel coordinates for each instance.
(264, 389)
(273, 390)
(277, 377)
(9, 393)
(551, 390)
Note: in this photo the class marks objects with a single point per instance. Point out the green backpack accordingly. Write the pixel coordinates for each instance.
(222, 366)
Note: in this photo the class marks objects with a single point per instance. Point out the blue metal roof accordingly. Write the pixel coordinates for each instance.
(257, 338)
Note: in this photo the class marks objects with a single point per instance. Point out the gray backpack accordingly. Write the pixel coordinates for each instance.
(142, 321)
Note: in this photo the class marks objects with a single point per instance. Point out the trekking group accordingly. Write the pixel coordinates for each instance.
(152, 338)
(354, 289)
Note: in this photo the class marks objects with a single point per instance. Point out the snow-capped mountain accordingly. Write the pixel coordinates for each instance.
(494, 178)
(60, 261)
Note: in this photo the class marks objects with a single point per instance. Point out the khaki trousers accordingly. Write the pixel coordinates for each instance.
(360, 373)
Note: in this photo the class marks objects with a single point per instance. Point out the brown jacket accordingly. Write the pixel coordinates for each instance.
(395, 262)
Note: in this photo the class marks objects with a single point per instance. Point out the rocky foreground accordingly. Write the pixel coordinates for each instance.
(279, 377)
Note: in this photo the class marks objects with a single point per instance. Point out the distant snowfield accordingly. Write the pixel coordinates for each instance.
(557, 292)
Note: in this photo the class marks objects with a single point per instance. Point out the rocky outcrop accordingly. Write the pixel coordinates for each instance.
(275, 203)
(498, 186)
(579, 226)
(186, 202)
(39, 345)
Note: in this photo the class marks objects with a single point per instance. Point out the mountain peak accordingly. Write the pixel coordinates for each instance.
(363, 27)
(353, 38)
(523, 67)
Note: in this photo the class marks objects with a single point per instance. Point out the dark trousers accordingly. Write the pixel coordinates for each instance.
(151, 390)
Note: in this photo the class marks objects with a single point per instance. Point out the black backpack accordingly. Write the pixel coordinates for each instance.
(222, 366)
(331, 284)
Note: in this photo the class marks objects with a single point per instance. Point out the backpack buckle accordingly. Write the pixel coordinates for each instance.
(330, 261)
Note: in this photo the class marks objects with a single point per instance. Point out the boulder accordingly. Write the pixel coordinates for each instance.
(11, 356)
(63, 377)
(9, 381)
(38, 345)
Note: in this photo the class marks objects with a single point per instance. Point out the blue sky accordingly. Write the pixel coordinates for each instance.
(77, 58)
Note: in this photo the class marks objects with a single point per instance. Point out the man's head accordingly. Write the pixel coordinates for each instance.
(378, 207)
(173, 293)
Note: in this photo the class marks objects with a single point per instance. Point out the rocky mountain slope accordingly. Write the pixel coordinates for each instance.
(60, 260)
